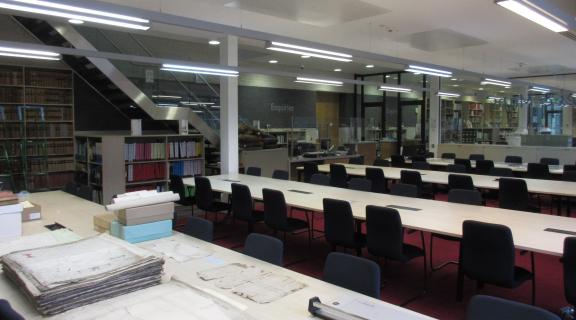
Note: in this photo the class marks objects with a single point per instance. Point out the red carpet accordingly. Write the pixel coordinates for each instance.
(405, 281)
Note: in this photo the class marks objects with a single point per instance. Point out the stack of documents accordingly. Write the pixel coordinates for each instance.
(67, 276)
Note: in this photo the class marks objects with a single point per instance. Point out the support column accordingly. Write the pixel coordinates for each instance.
(434, 121)
(229, 153)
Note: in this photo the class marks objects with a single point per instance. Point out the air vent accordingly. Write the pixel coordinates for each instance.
(569, 35)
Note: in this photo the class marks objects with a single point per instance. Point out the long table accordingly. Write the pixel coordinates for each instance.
(441, 217)
(516, 167)
(77, 214)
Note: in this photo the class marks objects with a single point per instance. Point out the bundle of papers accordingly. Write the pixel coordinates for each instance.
(141, 198)
(67, 276)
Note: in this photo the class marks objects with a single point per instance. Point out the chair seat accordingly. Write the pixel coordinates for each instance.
(410, 252)
(257, 216)
(293, 224)
(218, 206)
(445, 237)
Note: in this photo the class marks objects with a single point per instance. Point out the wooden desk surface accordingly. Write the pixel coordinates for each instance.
(77, 214)
(433, 216)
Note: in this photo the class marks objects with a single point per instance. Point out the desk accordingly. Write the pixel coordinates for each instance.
(433, 216)
(77, 214)
(521, 167)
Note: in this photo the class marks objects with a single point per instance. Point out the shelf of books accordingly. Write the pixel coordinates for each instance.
(114, 164)
(37, 127)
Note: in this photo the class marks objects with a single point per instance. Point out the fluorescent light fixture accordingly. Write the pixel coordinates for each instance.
(213, 42)
(166, 97)
(540, 89)
(369, 66)
(166, 105)
(319, 81)
(196, 103)
(448, 94)
(430, 71)
(306, 51)
(76, 13)
(305, 57)
(76, 21)
(337, 70)
(495, 98)
(535, 14)
(197, 111)
(28, 54)
(273, 61)
(199, 70)
(574, 95)
(394, 89)
(495, 82)
(454, 79)
(215, 107)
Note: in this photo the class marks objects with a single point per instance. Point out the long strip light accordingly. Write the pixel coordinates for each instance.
(28, 54)
(540, 89)
(496, 82)
(574, 95)
(535, 14)
(166, 97)
(306, 51)
(394, 89)
(192, 103)
(448, 94)
(77, 13)
(319, 81)
(199, 70)
(430, 71)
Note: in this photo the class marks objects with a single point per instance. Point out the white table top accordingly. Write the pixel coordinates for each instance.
(434, 216)
(77, 214)
(540, 186)
(520, 167)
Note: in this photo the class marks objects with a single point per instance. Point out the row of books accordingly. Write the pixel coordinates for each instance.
(145, 171)
(96, 174)
(184, 149)
(11, 76)
(48, 96)
(144, 151)
(96, 155)
(160, 187)
(36, 130)
(14, 113)
(60, 165)
(186, 168)
(81, 150)
(48, 78)
(11, 95)
(38, 148)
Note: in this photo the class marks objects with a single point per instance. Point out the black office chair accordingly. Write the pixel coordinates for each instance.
(356, 160)
(415, 178)
(242, 206)
(421, 165)
(487, 255)
(85, 192)
(276, 215)
(569, 167)
(177, 186)
(320, 179)
(360, 184)
(199, 228)
(448, 155)
(513, 195)
(550, 161)
(204, 198)
(484, 166)
(465, 162)
(476, 157)
(338, 176)
(385, 238)
(379, 182)
(460, 181)
(404, 190)
(569, 268)
(398, 161)
(502, 172)
(513, 159)
(418, 159)
(538, 171)
(353, 273)
(340, 227)
(70, 187)
(570, 176)
(254, 171)
(456, 168)
(378, 162)
(281, 175)
(264, 248)
(309, 170)
(485, 307)
(7, 313)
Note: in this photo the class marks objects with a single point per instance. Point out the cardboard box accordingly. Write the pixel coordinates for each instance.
(142, 232)
(102, 222)
(10, 221)
(31, 211)
(146, 214)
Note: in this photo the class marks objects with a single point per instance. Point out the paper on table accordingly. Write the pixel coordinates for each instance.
(176, 248)
(268, 288)
(38, 240)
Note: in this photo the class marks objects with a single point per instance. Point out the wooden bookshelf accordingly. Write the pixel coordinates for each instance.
(116, 163)
(37, 126)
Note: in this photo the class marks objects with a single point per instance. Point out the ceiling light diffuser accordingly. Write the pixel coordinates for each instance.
(319, 81)
(448, 94)
(394, 89)
(199, 70)
(539, 89)
(196, 103)
(28, 54)
(495, 82)
(213, 42)
(308, 52)
(535, 14)
(430, 71)
(166, 97)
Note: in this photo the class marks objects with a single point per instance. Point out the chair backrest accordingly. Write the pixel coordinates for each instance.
(569, 176)
(70, 187)
(338, 176)
(360, 184)
(513, 194)
(411, 177)
(569, 266)
(550, 161)
(381, 162)
(376, 176)
(486, 307)
(353, 273)
(513, 159)
(421, 165)
(460, 181)
(281, 175)
(397, 161)
(357, 160)
(242, 204)
(418, 159)
(7, 313)
(339, 223)
(320, 179)
(538, 171)
(476, 157)
(384, 232)
(177, 186)
(448, 155)
(465, 162)
(309, 170)
(203, 193)
(275, 209)
(487, 253)
(264, 248)
(456, 168)
(254, 171)
(85, 192)
(405, 190)
(471, 197)
(199, 228)
(484, 166)
(501, 172)
(569, 167)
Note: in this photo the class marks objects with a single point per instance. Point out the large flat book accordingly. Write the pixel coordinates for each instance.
(142, 232)
(146, 214)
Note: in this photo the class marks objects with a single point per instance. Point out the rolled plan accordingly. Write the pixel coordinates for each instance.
(132, 202)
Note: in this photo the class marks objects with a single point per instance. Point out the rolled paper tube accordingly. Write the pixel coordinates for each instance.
(145, 201)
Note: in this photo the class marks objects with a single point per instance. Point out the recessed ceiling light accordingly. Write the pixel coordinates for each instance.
(456, 85)
(387, 76)
(76, 21)
(213, 42)
(454, 79)
(305, 57)
(273, 61)
(369, 66)
(481, 89)
(337, 70)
